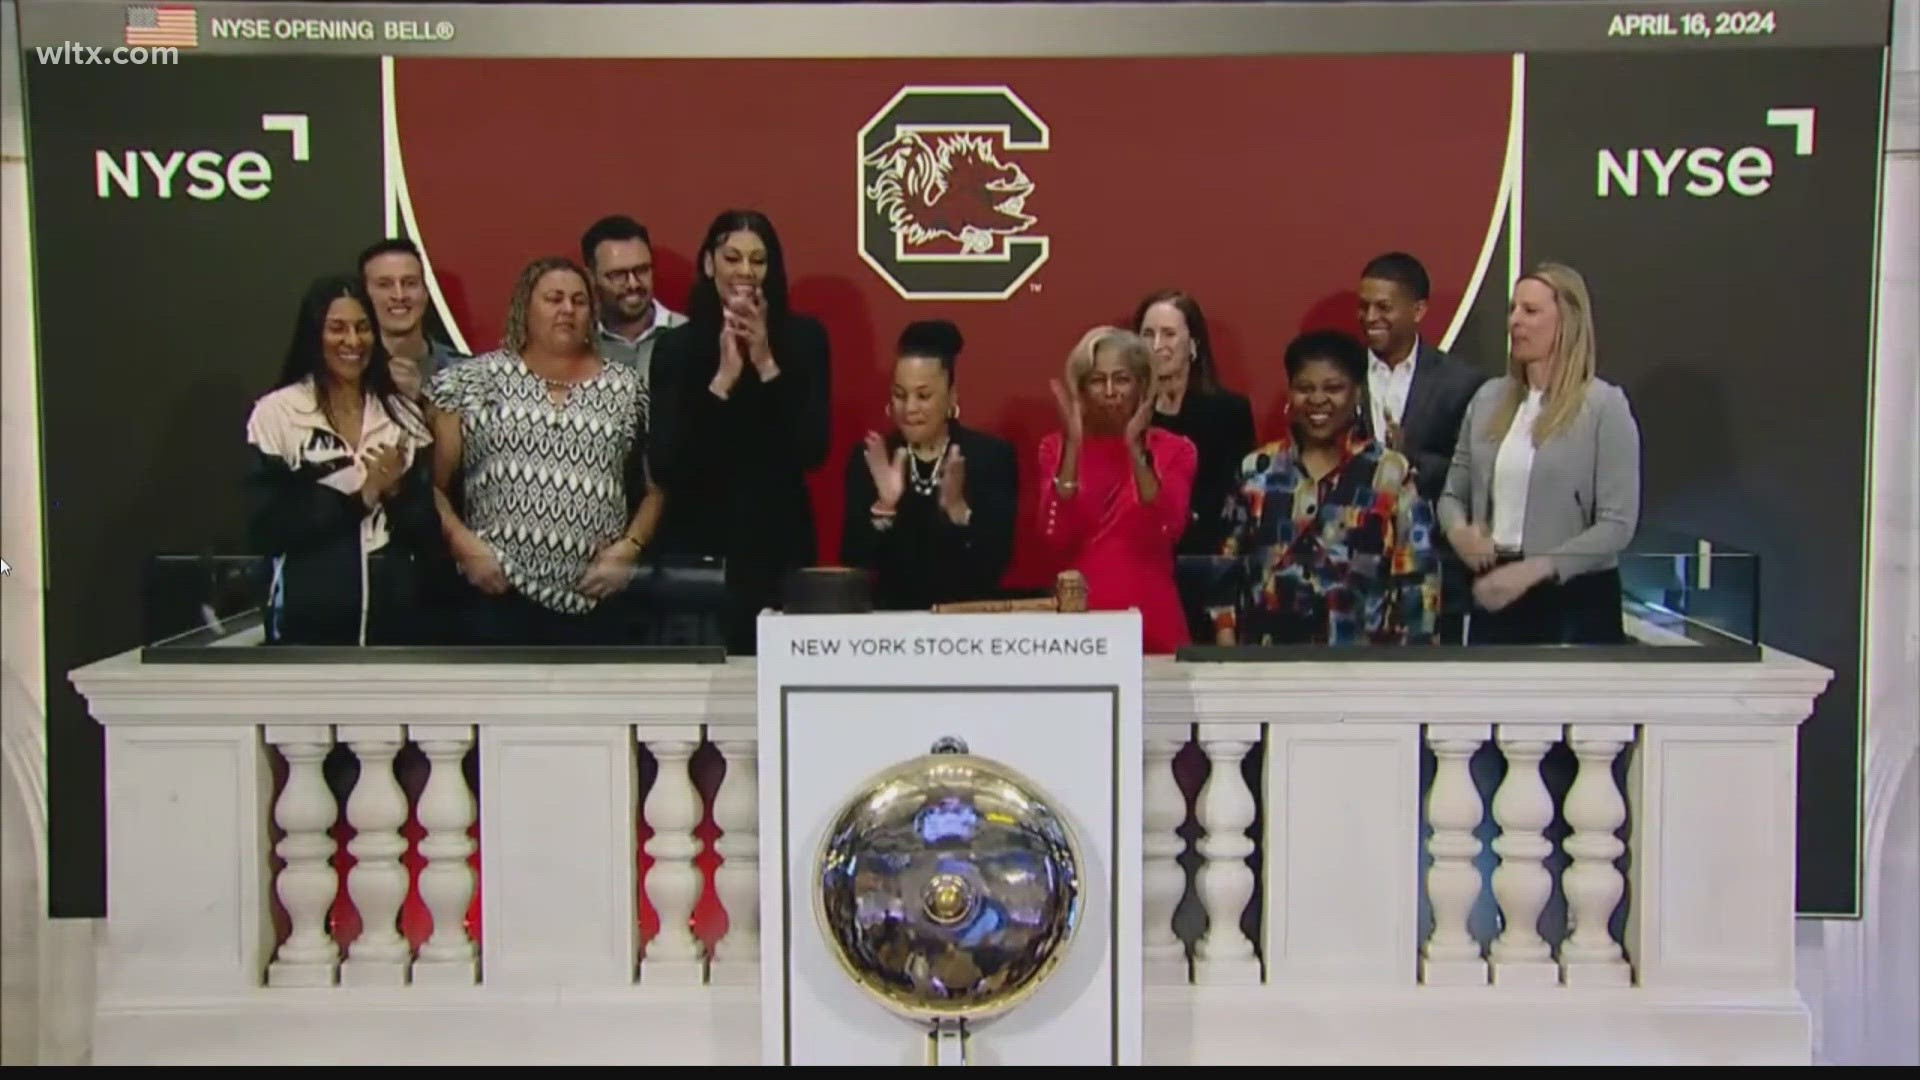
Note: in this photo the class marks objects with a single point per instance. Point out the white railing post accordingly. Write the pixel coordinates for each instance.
(446, 810)
(377, 810)
(736, 810)
(1224, 955)
(673, 810)
(1164, 879)
(1451, 956)
(1522, 883)
(1594, 886)
(307, 884)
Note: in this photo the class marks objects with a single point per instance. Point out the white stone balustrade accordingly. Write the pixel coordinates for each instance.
(1681, 951)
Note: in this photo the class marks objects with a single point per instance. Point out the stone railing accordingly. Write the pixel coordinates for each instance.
(1347, 861)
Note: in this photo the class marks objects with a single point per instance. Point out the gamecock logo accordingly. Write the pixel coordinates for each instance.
(943, 202)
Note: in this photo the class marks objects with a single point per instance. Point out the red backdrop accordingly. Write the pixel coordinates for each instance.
(1261, 185)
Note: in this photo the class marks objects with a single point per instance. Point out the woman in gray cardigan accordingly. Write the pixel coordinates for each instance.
(1544, 490)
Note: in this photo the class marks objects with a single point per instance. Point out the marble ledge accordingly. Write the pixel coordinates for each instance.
(1779, 689)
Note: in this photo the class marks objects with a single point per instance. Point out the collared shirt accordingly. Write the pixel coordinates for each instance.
(1512, 471)
(637, 352)
(1388, 387)
(1345, 559)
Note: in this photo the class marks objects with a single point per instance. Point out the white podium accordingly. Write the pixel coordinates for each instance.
(1055, 697)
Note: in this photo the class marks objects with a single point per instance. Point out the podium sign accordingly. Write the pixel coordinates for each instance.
(1049, 699)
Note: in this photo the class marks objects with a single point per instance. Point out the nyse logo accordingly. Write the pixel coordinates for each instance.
(205, 175)
(1700, 171)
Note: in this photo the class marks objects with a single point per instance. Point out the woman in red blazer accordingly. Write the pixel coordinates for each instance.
(1114, 488)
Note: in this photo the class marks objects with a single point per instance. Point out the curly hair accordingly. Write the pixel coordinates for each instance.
(516, 338)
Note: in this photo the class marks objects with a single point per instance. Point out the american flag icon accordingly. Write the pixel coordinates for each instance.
(163, 25)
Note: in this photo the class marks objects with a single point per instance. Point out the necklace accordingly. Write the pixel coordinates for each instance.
(930, 483)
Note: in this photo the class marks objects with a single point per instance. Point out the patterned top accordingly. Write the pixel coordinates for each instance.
(1348, 559)
(545, 484)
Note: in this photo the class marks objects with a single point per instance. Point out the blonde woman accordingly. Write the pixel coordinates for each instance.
(1544, 490)
(1114, 488)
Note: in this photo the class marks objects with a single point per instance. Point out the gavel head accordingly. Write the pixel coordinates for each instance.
(1070, 591)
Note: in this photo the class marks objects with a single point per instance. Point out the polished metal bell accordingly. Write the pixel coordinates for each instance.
(949, 887)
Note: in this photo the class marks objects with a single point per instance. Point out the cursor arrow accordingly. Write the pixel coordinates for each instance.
(5, 567)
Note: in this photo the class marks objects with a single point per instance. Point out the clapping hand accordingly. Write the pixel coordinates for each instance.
(953, 487)
(1139, 422)
(889, 474)
(1072, 417)
(384, 467)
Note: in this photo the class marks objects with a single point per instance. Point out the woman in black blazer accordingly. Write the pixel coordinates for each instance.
(1189, 400)
(739, 418)
(931, 506)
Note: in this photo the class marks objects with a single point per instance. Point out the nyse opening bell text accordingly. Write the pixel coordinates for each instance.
(265, 29)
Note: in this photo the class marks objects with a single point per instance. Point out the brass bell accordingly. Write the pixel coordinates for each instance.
(949, 887)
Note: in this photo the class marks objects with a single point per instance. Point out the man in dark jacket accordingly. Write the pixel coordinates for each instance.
(1418, 398)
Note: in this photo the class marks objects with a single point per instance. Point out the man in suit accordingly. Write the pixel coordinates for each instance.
(1418, 397)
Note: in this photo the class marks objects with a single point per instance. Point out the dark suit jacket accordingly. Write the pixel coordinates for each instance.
(1443, 387)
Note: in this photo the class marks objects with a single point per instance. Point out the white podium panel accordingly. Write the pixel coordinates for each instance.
(1056, 698)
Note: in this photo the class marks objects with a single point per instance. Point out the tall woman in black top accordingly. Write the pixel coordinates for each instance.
(930, 507)
(739, 418)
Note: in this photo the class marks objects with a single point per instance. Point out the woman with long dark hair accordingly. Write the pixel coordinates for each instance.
(340, 491)
(1189, 400)
(740, 418)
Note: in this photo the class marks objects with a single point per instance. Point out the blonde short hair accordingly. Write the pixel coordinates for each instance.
(1134, 352)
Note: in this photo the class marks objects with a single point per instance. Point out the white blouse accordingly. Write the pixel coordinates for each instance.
(1512, 468)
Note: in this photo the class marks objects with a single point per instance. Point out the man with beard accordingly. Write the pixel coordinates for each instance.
(395, 277)
(619, 255)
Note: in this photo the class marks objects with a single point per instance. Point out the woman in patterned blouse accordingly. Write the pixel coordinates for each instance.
(544, 437)
(1327, 539)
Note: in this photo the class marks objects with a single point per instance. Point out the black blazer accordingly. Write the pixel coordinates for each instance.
(924, 559)
(1220, 426)
(1443, 387)
(735, 471)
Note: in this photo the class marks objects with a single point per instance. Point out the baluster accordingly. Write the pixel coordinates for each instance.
(736, 809)
(1451, 956)
(1595, 810)
(1165, 880)
(448, 956)
(672, 807)
(307, 884)
(1224, 955)
(1523, 808)
(378, 881)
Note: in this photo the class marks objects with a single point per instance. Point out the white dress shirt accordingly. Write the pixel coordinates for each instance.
(1388, 387)
(1512, 468)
